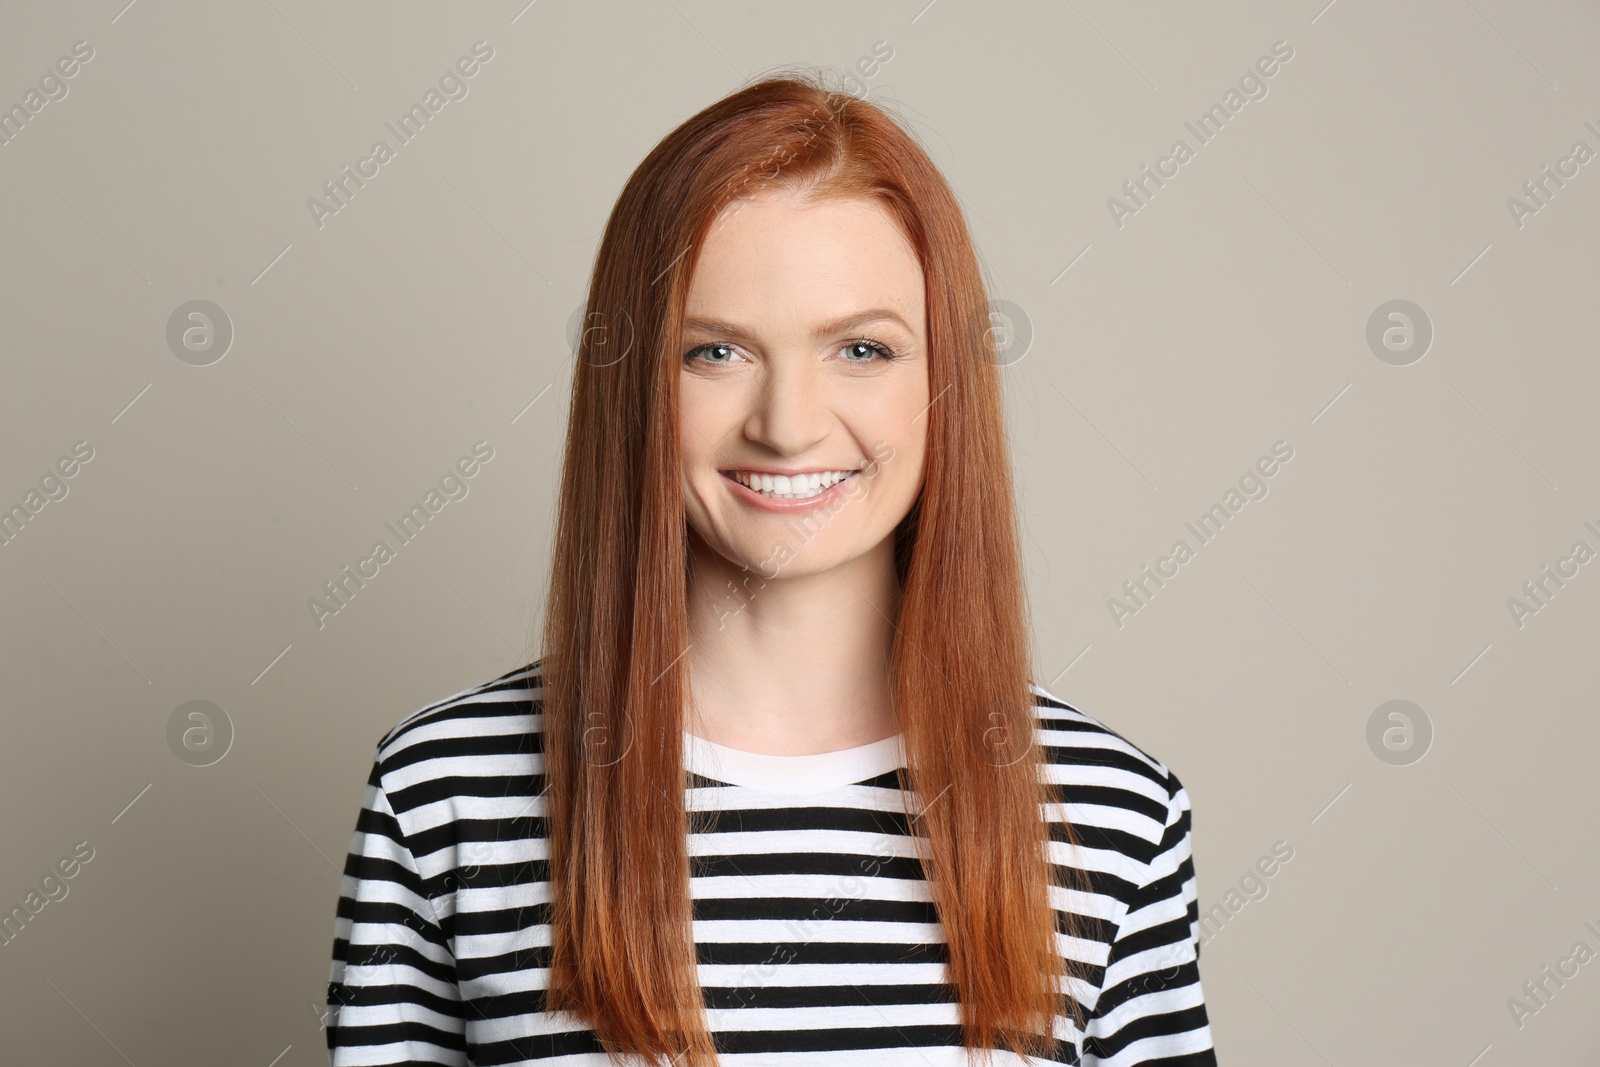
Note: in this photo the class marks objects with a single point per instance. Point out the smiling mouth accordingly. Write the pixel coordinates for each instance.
(790, 486)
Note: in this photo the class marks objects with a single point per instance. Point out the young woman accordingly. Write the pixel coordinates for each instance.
(780, 787)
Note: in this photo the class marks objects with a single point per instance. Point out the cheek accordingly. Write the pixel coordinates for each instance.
(906, 471)
(909, 458)
(905, 422)
(904, 409)
(697, 429)
(894, 412)
(707, 413)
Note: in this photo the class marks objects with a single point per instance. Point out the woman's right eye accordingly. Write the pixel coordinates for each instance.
(711, 348)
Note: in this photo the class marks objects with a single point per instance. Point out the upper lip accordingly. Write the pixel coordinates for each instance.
(788, 471)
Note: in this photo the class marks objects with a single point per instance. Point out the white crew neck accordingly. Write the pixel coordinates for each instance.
(791, 774)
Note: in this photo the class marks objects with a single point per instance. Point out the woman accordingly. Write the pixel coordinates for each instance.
(780, 781)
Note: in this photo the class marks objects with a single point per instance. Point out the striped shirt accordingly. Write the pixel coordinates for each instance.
(817, 942)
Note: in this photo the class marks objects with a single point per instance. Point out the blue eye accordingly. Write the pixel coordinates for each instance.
(868, 349)
(693, 352)
(874, 348)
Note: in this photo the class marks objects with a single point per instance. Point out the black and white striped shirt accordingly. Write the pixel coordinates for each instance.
(817, 940)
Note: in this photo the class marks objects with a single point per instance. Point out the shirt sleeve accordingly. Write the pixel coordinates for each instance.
(392, 994)
(1151, 1012)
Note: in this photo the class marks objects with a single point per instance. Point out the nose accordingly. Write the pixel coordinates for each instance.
(791, 411)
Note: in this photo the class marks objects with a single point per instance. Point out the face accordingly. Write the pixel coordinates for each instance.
(804, 390)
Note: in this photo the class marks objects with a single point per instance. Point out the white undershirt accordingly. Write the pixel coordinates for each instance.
(818, 770)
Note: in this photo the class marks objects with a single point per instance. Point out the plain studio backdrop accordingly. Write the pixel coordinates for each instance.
(1379, 258)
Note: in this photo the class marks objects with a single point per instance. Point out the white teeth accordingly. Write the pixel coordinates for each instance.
(792, 487)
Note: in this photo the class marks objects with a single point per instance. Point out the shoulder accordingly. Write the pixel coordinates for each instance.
(1107, 781)
(495, 716)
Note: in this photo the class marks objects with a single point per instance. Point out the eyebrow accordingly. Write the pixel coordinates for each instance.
(826, 329)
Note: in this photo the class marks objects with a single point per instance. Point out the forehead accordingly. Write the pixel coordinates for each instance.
(780, 257)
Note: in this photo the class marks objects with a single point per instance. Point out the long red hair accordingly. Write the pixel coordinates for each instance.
(623, 957)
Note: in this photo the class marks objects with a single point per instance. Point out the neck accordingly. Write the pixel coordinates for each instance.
(793, 664)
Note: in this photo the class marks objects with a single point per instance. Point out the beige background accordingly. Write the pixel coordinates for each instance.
(1230, 312)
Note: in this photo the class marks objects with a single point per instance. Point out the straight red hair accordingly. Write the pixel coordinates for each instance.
(623, 956)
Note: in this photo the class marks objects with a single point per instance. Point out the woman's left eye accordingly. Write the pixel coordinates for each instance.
(872, 348)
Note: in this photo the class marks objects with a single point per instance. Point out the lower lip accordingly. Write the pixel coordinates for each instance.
(771, 503)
